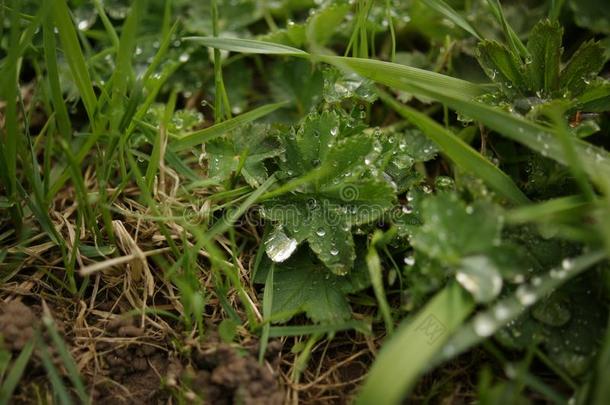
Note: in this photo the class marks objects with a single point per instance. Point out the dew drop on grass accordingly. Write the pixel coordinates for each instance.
(480, 278)
(501, 312)
(279, 246)
(484, 325)
(526, 295)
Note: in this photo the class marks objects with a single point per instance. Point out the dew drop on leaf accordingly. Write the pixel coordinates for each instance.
(279, 246)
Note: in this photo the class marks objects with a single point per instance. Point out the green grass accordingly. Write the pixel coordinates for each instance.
(354, 180)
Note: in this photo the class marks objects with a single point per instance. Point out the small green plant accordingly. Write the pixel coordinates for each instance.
(425, 181)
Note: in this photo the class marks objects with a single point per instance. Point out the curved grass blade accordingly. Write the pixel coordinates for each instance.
(456, 93)
(206, 134)
(407, 354)
(390, 74)
(403, 77)
(462, 154)
(247, 46)
(446, 10)
(486, 323)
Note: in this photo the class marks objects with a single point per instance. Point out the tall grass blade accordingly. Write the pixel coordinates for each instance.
(460, 152)
(446, 10)
(407, 354)
(74, 56)
(511, 307)
(247, 46)
(207, 134)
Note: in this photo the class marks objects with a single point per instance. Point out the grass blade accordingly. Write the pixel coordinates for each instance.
(446, 10)
(267, 311)
(66, 358)
(74, 56)
(204, 135)
(373, 263)
(408, 353)
(460, 152)
(14, 375)
(247, 46)
(526, 295)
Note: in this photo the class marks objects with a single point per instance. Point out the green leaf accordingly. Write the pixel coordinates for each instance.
(501, 65)
(583, 67)
(596, 97)
(298, 81)
(544, 45)
(453, 230)
(302, 284)
(253, 142)
(322, 25)
(337, 188)
(405, 356)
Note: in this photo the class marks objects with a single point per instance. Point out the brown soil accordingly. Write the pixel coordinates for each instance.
(17, 323)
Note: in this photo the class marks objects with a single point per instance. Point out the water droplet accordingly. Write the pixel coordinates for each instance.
(484, 325)
(526, 295)
(279, 246)
(321, 232)
(479, 276)
(501, 312)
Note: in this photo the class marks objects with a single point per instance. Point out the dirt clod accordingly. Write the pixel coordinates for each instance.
(228, 377)
(17, 323)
